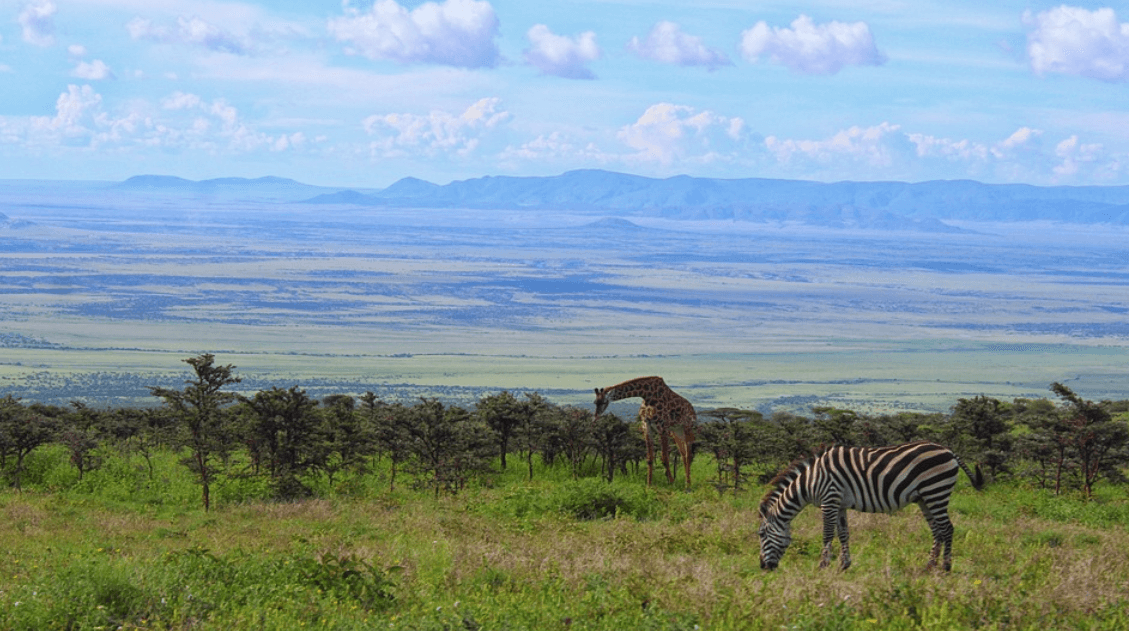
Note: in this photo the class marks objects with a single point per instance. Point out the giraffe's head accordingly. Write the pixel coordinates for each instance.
(602, 401)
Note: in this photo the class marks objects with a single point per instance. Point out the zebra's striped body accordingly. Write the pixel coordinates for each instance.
(871, 480)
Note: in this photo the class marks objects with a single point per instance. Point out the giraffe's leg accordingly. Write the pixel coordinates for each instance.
(664, 444)
(684, 450)
(689, 438)
(650, 460)
(650, 448)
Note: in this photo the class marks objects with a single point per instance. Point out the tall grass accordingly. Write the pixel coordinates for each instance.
(551, 553)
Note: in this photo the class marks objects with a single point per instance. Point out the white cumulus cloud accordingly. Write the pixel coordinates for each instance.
(183, 123)
(886, 151)
(1075, 155)
(80, 121)
(556, 147)
(437, 132)
(38, 23)
(560, 55)
(193, 31)
(667, 43)
(667, 133)
(1023, 140)
(874, 146)
(963, 150)
(812, 48)
(1077, 41)
(459, 33)
(181, 101)
(92, 71)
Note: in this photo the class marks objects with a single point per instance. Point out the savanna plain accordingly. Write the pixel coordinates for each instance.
(104, 290)
(115, 551)
(103, 296)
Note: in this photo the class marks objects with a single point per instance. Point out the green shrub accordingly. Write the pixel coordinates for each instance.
(85, 594)
(597, 499)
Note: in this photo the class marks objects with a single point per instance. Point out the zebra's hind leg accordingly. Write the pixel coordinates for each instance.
(831, 519)
(931, 520)
(844, 540)
(934, 554)
(948, 563)
(942, 529)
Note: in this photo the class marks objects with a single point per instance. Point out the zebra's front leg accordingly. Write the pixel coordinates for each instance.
(844, 540)
(830, 524)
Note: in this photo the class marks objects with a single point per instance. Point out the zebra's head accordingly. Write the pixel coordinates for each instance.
(775, 537)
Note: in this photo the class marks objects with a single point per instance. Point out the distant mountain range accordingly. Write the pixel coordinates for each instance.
(258, 189)
(923, 206)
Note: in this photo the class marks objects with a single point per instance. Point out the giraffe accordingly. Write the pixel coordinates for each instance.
(664, 409)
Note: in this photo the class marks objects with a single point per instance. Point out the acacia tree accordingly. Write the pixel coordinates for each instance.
(22, 431)
(389, 425)
(81, 437)
(145, 430)
(611, 438)
(1098, 441)
(284, 428)
(504, 414)
(889, 429)
(797, 435)
(348, 438)
(535, 427)
(736, 438)
(200, 411)
(982, 419)
(573, 428)
(1047, 446)
(449, 445)
(834, 426)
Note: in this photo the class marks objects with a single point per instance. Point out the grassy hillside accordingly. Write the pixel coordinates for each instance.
(121, 551)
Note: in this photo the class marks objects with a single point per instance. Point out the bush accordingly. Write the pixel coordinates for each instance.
(597, 499)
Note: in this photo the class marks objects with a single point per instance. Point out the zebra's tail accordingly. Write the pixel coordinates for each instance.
(978, 479)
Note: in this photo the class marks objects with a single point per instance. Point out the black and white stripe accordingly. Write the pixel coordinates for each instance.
(872, 480)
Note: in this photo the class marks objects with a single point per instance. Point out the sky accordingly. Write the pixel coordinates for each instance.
(361, 93)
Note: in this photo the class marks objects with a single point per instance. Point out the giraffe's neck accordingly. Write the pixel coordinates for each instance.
(643, 387)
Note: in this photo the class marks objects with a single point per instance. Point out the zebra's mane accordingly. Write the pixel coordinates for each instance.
(784, 478)
(788, 474)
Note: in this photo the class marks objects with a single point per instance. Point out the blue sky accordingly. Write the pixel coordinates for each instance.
(362, 94)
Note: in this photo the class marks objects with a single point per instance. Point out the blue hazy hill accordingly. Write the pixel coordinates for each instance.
(932, 206)
(879, 205)
(264, 188)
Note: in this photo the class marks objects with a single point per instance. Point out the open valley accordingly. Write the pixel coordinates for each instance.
(102, 295)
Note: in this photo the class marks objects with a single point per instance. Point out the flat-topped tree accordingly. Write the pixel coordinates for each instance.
(200, 410)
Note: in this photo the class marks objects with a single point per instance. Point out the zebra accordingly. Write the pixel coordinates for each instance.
(867, 479)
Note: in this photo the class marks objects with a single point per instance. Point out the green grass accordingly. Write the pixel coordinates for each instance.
(552, 553)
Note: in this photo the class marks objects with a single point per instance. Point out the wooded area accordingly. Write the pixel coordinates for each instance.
(288, 438)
